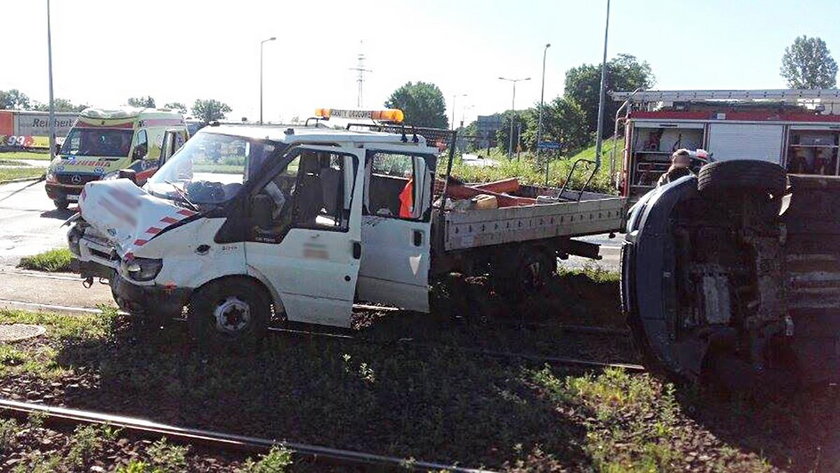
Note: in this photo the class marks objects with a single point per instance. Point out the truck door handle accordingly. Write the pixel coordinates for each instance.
(418, 237)
(357, 250)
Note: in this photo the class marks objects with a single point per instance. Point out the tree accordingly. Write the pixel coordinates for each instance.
(624, 72)
(177, 106)
(422, 103)
(61, 105)
(13, 99)
(807, 64)
(142, 102)
(520, 128)
(208, 110)
(564, 121)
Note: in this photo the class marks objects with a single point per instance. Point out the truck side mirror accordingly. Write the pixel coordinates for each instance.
(129, 174)
(262, 208)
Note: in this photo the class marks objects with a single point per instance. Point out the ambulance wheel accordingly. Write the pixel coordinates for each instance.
(229, 314)
(61, 203)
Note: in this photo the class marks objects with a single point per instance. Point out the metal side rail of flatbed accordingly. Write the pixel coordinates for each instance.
(593, 214)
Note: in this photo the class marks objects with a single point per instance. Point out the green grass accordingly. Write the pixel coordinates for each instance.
(392, 399)
(531, 171)
(8, 174)
(11, 162)
(25, 155)
(53, 261)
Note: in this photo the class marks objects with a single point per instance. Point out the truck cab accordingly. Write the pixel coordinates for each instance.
(242, 219)
(103, 142)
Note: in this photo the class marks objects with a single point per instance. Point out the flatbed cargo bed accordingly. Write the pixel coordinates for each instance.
(574, 214)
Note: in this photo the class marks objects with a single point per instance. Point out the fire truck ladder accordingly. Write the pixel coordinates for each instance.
(824, 96)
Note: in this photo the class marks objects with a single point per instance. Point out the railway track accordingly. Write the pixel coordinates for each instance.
(223, 441)
(554, 360)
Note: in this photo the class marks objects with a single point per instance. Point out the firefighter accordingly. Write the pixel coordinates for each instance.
(680, 162)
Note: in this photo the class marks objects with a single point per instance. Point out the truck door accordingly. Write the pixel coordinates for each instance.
(304, 236)
(396, 226)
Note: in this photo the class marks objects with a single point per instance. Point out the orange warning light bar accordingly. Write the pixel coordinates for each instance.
(388, 115)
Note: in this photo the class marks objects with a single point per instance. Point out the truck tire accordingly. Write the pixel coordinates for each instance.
(229, 314)
(742, 176)
(524, 273)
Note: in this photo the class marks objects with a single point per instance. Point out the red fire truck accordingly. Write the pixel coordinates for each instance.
(798, 129)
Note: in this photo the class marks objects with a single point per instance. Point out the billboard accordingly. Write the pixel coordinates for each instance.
(28, 129)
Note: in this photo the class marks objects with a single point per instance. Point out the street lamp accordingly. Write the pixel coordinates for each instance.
(542, 95)
(453, 107)
(262, 43)
(601, 97)
(52, 106)
(513, 110)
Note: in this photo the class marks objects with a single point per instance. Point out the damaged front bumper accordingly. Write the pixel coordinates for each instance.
(96, 258)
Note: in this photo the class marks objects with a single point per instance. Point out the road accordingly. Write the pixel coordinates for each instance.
(30, 224)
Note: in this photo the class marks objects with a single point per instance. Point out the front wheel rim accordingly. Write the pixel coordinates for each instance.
(232, 315)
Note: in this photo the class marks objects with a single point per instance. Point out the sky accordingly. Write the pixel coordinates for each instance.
(105, 51)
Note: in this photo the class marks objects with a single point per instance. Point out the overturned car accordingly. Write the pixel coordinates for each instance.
(735, 274)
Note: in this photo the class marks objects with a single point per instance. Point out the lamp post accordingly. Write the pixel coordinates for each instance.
(598, 140)
(52, 105)
(542, 96)
(513, 110)
(455, 96)
(262, 43)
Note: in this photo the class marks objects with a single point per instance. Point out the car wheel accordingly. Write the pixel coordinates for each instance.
(229, 314)
(742, 176)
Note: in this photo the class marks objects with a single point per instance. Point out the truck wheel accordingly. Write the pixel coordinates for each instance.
(742, 176)
(525, 275)
(61, 203)
(229, 314)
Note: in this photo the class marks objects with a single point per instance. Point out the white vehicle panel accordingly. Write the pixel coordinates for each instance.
(746, 141)
(314, 271)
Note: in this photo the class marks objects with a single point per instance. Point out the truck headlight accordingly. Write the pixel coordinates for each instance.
(143, 269)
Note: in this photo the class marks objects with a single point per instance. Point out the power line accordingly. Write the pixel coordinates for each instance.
(360, 78)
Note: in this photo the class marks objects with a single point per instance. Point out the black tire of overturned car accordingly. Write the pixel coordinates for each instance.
(742, 176)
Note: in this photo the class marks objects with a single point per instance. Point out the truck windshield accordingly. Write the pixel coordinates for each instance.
(100, 142)
(209, 169)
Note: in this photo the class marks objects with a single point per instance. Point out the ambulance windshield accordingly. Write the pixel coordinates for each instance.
(209, 169)
(100, 142)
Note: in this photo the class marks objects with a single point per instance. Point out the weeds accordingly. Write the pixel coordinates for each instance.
(52, 261)
(531, 171)
(168, 457)
(8, 434)
(85, 443)
(275, 461)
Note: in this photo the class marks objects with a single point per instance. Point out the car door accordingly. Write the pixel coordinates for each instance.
(396, 228)
(305, 233)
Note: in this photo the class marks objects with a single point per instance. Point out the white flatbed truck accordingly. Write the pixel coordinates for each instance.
(243, 222)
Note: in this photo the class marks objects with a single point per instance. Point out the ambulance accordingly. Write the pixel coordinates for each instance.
(103, 142)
